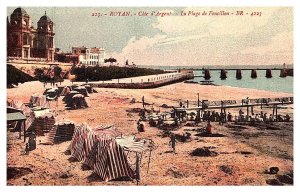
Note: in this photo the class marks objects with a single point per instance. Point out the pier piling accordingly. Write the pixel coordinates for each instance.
(268, 73)
(238, 74)
(253, 74)
(223, 74)
(207, 75)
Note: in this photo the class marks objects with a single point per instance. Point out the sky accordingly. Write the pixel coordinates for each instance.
(176, 40)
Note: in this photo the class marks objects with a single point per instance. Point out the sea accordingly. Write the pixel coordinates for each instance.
(274, 84)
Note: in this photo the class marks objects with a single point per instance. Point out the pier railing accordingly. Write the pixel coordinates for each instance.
(145, 85)
(205, 104)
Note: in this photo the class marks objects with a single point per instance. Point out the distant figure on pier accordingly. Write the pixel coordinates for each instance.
(246, 101)
(180, 104)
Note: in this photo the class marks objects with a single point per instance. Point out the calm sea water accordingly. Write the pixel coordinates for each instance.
(275, 84)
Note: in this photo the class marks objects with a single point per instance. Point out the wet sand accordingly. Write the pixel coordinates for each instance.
(247, 152)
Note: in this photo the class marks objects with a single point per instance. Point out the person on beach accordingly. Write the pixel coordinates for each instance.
(271, 118)
(229, 117)
(143, 101)
(27, 149)
(172, 142)
(140, 126)
(236, 119)
(208, 128)
(221, 118)
(240, 112)
(265, 117)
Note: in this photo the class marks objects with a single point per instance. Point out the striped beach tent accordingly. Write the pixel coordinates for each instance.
(84, 139)
(98, 150)
(108, 160)
(76, 147)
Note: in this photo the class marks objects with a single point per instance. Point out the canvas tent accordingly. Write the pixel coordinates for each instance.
(100, 151)
(89, 88)
(69, 96)
(65, 91)
(84, 138)
(81, 90)
(51, 94)
(43, 121)
(38, 100)
(60, 132)
(76, 102)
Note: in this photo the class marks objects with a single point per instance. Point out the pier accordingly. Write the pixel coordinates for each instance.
(249, 104)
(145, 82)
(223, 72)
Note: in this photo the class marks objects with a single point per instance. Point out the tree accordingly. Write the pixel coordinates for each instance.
(110, 60)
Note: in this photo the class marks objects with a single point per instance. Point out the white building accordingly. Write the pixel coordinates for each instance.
(89, 56)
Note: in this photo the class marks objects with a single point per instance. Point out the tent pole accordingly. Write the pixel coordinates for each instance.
(20, 132)
(149, 161)
(24, 132)
(137, 167)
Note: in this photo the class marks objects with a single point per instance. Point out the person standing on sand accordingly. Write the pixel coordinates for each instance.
(208, 128)
(172, 142)
(27, 149)
(229, 117)
(143, 101)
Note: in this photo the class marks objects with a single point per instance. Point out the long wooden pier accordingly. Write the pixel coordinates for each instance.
(223, 72)
(230, 104)
(233, 106)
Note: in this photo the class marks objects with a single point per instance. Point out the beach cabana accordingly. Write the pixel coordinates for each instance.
(65, 91)
(76, 102)
(43, 121)
(84, 138)
(38, 100)
(81, 90)
(69, 96)
(61, 131)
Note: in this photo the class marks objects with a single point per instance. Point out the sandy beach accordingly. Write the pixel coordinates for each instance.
(245, 153)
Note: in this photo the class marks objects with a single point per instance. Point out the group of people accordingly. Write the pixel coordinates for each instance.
(261, 117)
(216, 117)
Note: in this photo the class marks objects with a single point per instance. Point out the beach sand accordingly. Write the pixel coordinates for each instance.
(245, 153)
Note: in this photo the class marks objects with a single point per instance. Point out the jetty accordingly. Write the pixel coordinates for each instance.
(145, 82)
(231, 104)
(223, 72)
